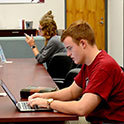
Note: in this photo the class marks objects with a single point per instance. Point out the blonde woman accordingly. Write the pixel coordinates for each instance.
(47, 29)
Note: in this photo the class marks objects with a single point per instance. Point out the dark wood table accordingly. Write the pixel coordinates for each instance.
(17, 32)
(20, 74)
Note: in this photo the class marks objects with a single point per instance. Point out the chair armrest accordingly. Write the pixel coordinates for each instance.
(58, 79)
(59, 82)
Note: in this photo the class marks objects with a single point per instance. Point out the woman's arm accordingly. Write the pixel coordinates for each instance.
(30, 41)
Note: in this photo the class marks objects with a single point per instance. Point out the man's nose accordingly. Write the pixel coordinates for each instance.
(68, 53)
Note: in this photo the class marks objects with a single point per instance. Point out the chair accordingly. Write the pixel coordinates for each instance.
(59, 65)
(69, 78)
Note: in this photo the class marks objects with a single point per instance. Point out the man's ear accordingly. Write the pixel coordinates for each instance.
(83, 43)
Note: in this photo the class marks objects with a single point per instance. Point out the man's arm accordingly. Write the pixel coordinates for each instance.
(84, 106)
(63, 100)
(70, 93)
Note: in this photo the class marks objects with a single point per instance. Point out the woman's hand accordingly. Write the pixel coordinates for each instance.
(30, 40)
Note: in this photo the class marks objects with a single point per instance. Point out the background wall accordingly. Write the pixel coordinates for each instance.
(115, 30)
(11, 14)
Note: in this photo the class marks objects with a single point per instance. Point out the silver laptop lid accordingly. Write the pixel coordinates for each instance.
(19, 104)
(5, 88)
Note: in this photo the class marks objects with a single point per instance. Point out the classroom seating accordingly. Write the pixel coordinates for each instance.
(62, 69)
(59, 65)
(68, 80)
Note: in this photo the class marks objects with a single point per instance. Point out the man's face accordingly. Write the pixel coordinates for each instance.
(74, 51)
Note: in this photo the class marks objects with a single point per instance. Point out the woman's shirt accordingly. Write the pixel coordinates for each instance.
(53, 46)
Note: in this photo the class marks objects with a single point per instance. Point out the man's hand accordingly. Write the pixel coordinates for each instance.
(40, 102)
(39, 95)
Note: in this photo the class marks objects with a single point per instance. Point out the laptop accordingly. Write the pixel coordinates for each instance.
(22, 106)
(2, 56)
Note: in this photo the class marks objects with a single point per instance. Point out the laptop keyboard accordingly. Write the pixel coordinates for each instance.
(25, 105)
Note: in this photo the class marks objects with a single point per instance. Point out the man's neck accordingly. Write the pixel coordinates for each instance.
(93, 52)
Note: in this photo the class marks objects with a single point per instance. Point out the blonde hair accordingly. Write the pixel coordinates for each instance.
(48, 24)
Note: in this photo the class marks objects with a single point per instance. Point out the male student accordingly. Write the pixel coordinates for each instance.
(98, 90)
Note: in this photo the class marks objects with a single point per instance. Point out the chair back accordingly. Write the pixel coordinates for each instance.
(59, 65)
(70, 76)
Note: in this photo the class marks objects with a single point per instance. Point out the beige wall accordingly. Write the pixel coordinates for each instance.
(11, 14)
(115, 30)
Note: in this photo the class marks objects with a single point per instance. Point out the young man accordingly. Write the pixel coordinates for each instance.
(99, 84)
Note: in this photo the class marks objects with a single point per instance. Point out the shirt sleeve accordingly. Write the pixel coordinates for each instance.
(79, 78)
(100, 83)
(47, 51)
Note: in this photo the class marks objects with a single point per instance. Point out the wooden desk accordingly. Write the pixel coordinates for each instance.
(22, 73)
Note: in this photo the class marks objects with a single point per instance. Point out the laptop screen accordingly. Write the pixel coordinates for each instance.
(8, 92)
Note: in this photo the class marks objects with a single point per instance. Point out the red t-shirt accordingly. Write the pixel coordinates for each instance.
(105, 78)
